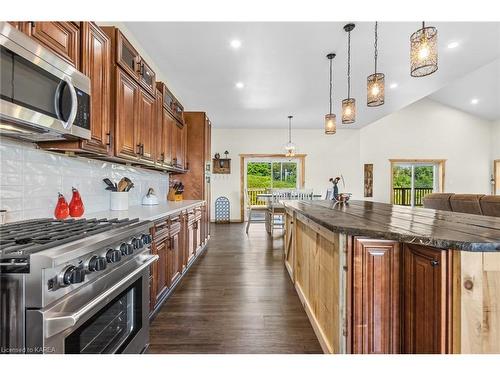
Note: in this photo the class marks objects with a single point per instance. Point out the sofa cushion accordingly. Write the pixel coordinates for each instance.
(438, 201)
(467, 203)
(490, 205)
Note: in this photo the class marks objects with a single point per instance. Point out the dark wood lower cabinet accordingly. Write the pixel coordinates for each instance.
(424, 300)
(398, 296)
(376, 300)
(173, 241)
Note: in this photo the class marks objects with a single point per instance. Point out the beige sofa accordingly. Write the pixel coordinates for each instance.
(478, 204)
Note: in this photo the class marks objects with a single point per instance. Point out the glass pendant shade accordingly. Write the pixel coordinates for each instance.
(423, 52)
(375, 89)
(330, 123)
(348, 111)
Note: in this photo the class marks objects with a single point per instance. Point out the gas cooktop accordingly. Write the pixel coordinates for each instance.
(32, 236)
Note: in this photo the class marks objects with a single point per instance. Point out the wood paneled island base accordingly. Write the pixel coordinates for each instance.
(395, 293)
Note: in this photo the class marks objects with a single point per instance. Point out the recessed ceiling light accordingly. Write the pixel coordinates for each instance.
(239, 85)
(393, 85)
(452, 45)
(474, 101)
(235, 43)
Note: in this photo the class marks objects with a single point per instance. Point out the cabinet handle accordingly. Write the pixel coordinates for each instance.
(138, 149)
(32, 23)
(110, 138)
(468, 284)
(142, 69)
(162, 156)
(434, 263)
(142, 149)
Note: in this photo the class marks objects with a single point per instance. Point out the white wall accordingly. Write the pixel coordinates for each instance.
(31, 178)
(429, 130)
(423, 130)
(495, 140)
(327, 156)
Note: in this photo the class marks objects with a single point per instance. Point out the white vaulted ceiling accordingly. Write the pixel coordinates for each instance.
(284, 69)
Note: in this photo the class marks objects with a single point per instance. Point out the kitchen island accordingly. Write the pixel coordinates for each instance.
(378, 278)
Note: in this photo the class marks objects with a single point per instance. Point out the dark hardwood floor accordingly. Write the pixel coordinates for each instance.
(237, 298)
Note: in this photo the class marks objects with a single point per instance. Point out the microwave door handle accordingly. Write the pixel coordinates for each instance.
(74, 102)
(56, 323)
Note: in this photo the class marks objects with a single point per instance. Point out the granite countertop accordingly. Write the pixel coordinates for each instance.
(146, 212)
(441, 229)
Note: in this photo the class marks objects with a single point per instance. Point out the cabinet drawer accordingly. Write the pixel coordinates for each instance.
(161, 230)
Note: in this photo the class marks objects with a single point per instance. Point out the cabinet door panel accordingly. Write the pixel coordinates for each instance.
(424, 318)
(175, 257)
(126, 55)
(63, 38)
(96, 64)
(168, 129)
(147, 77)
(376, 297)
(145, 125)
(162, 268)
(126, 113)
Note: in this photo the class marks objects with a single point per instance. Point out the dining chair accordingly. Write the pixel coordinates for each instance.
(275, 209)
(250, 209)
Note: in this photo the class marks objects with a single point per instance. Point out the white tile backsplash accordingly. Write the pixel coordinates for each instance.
(30, 179)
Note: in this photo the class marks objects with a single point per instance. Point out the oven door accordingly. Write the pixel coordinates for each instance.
(110, 315)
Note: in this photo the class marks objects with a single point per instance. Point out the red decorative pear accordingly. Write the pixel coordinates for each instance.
(76, 208)
(62, 209)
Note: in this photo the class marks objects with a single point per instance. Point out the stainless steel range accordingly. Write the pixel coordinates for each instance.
(75, 286)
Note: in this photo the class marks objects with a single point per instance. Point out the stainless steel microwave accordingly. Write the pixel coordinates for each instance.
(42, 96)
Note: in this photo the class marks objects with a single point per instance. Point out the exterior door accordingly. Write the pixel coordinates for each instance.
(425, 296)
(126, 113)
(375, 297)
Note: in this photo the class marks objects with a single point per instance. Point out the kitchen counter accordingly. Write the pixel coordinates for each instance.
(146, 212)
(440, 229)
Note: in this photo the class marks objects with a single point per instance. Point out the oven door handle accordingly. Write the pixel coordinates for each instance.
(74, 102)
(57, 323)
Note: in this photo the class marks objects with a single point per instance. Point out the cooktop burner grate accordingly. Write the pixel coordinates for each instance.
(28, 237)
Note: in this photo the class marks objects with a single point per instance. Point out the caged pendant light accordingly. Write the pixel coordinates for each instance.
(330, 118)
(290, 147)
(349, 104)
(423, 51)
(376, 81)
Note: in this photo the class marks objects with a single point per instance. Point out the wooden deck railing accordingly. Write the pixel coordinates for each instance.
(402, 196)
(252, 196)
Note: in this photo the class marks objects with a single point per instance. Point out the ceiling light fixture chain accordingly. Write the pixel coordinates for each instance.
(331, 83)
(349, 64)
(290, 129)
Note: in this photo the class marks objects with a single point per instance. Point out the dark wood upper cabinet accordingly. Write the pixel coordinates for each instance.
(145, 126)
(375, 273)
(424, 300)
(126, 55)
(96, 64)
(147, 77)
(171, 103)
(63, 38)
(126, 113)
(168, 124)
(159, 155)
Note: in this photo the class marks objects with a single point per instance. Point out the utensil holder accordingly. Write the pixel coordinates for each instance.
(119, 200)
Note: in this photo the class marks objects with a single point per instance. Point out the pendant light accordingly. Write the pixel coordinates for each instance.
(349, 104)
(376, 81)
(423, 51)
(290, 147)
(330, 118)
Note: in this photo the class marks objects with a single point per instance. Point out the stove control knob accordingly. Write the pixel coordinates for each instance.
(72, 275)
(113, 256)
(146, 239)
(137, 243)
(96, 263)
(126, 249)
